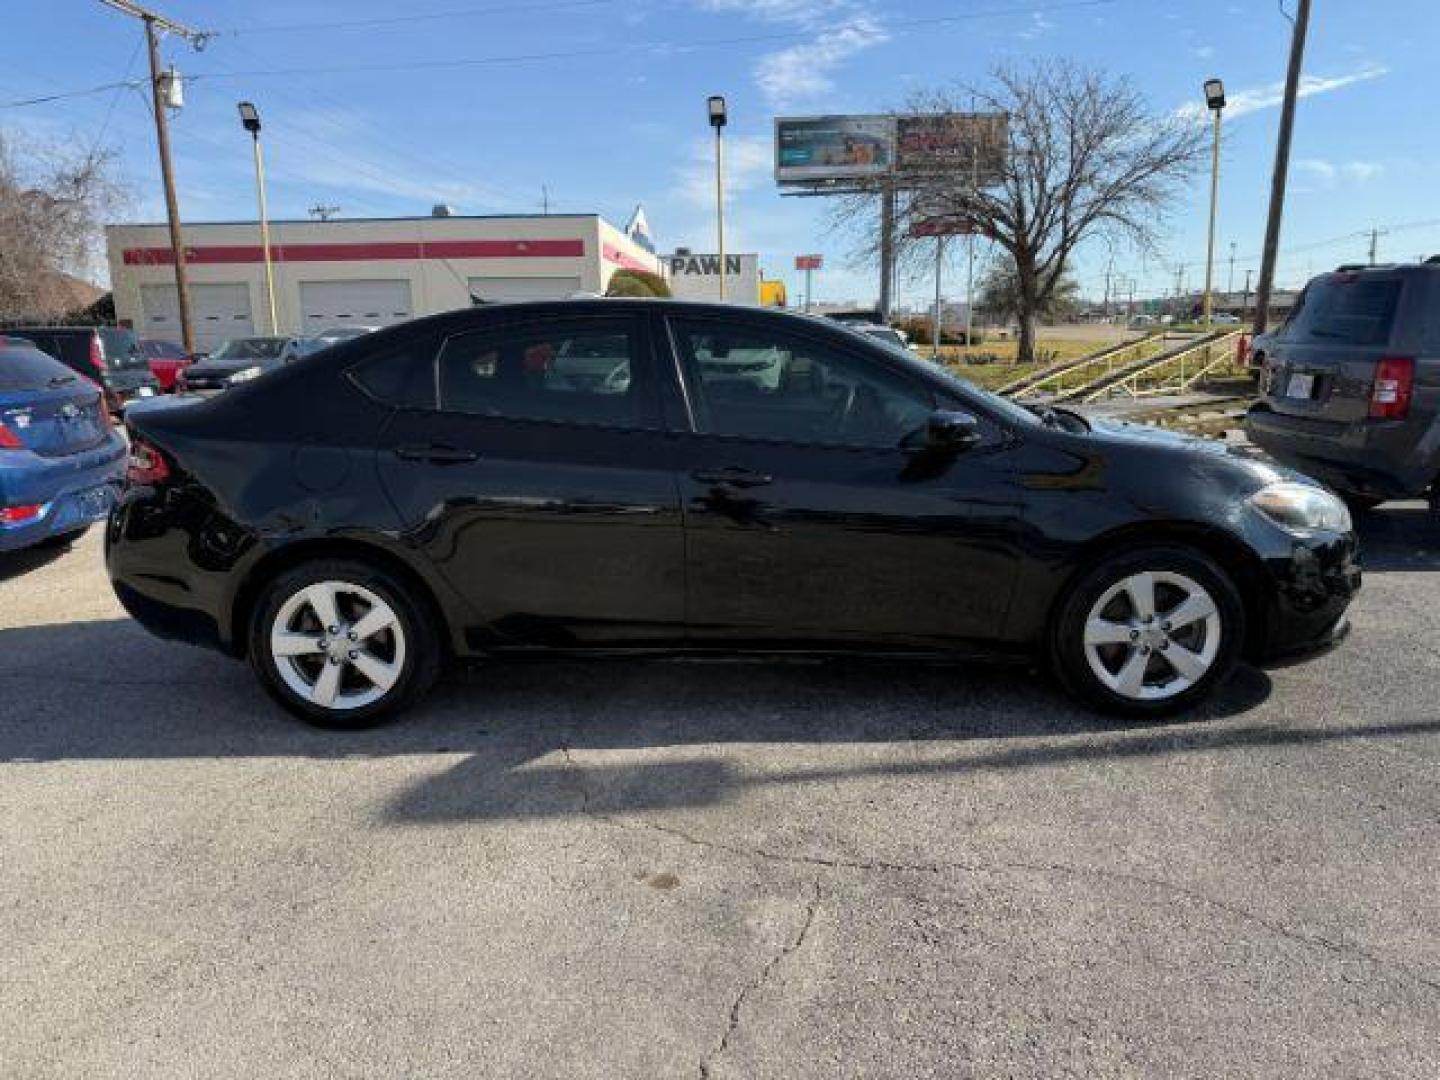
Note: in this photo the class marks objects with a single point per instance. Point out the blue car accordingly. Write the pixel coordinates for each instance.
(61, 459)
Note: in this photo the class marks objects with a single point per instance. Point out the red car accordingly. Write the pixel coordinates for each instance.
(165, 359)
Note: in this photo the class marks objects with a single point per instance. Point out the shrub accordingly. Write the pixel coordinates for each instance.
(637, 283)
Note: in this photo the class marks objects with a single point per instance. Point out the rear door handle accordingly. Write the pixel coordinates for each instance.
(437, 453)
(733, 476)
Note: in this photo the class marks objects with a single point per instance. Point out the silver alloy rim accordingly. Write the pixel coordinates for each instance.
(1152, 635)
(337, 645)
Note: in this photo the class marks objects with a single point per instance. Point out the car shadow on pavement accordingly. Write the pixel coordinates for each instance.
(15, 563)
(567, 737)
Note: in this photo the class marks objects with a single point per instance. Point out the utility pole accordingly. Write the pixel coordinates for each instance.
(155, 24)
(887, 249)
(1282, 168)
(1245, 304)
(544, 200)
(939, 316)
(1375, 235)
(1230, 284)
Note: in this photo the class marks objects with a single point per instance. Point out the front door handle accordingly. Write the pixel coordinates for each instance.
(732, 476)
(437, 453)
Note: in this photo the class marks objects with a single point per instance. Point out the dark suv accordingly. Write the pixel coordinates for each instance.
(108, 355)
(1351, 383)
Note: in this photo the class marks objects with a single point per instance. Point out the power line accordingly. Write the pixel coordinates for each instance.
(661, 47)
(65, 94)
(392, 20)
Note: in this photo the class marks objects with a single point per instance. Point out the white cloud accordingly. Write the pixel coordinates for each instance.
(839, 29)
(1205, 52)
(1038, 26)
(748, 163)
(803, 71)
(1256, 98)
(1317, 174)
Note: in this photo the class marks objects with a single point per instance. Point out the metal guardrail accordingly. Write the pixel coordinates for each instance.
(1172, 372)
(1055, 376)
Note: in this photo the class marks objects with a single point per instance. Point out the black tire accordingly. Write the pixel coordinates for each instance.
(421, 637)
(1068, 649)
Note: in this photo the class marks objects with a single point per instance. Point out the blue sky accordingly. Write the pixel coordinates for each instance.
(474, 107)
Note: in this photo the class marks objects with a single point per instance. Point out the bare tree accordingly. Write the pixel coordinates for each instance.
(1087, 158)
(52, 207)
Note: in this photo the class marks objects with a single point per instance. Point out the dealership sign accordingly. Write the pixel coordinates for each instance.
(809, 262)
(811, 149)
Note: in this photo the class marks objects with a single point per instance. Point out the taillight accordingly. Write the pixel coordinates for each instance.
(20, 515)
(147, 465)
(1242, 351)
(1394, 384)
(97, 354)
(9, 440)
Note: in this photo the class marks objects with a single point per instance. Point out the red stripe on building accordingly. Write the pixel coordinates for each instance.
(367, 252)
(620, 258)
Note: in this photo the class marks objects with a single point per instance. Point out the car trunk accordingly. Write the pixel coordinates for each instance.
(1322, 364)
(51, 414)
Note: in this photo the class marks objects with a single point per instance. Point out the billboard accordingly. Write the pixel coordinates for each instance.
(809, 262)
(953, 142)
(815, 149)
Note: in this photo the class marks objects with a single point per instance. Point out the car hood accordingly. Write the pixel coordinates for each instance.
(1237, 460)
(222, 368)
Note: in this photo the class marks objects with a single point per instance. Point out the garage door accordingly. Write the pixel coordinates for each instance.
(218, 312)
(328, 305)
(500, 289)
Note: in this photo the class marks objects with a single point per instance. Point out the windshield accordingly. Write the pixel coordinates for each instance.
(250, 349)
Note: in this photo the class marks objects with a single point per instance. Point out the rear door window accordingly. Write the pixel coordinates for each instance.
(573, 371)
(1343, 310)
(122, 348)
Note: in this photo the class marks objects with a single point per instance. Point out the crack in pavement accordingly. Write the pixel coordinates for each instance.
(1319, 941)
(737, 1007)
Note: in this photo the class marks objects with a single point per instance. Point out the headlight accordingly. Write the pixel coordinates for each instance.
(1300, 508)
(245, 375)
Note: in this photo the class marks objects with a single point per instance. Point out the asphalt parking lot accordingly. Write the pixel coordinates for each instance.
(717, 870)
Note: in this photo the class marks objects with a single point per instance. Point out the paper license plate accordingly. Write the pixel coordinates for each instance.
(1300, 386)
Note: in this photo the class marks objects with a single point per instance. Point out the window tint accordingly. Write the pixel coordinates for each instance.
(404, 377)
(575, 372)
(761, 384)
(1344, 310)
(122, 348)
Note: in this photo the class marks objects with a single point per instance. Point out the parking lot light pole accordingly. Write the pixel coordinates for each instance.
(250, 121)
(1215, 100)
(716, 108)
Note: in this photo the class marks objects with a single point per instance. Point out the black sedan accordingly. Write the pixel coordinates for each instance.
(719, 480)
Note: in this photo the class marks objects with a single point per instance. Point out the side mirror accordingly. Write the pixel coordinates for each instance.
(949, 431)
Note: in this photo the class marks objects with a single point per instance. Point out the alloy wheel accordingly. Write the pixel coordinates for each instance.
(1153, 635)
(338, 645)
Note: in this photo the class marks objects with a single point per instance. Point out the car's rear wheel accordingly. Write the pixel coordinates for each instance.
(343, 644)
(1149, 632)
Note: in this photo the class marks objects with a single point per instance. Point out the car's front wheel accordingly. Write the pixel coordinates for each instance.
(343, 644)
(1149, 632)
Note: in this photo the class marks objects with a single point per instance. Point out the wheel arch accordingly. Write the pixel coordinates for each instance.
(287, 557)
(1228, 552)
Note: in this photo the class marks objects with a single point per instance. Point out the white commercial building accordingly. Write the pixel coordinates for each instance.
(358, 272)
(697, 277)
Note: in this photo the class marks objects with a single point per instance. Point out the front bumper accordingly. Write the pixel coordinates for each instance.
(1313, 585)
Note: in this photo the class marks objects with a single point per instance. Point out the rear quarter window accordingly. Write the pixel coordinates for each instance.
(1345, 311)
(403, 377)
